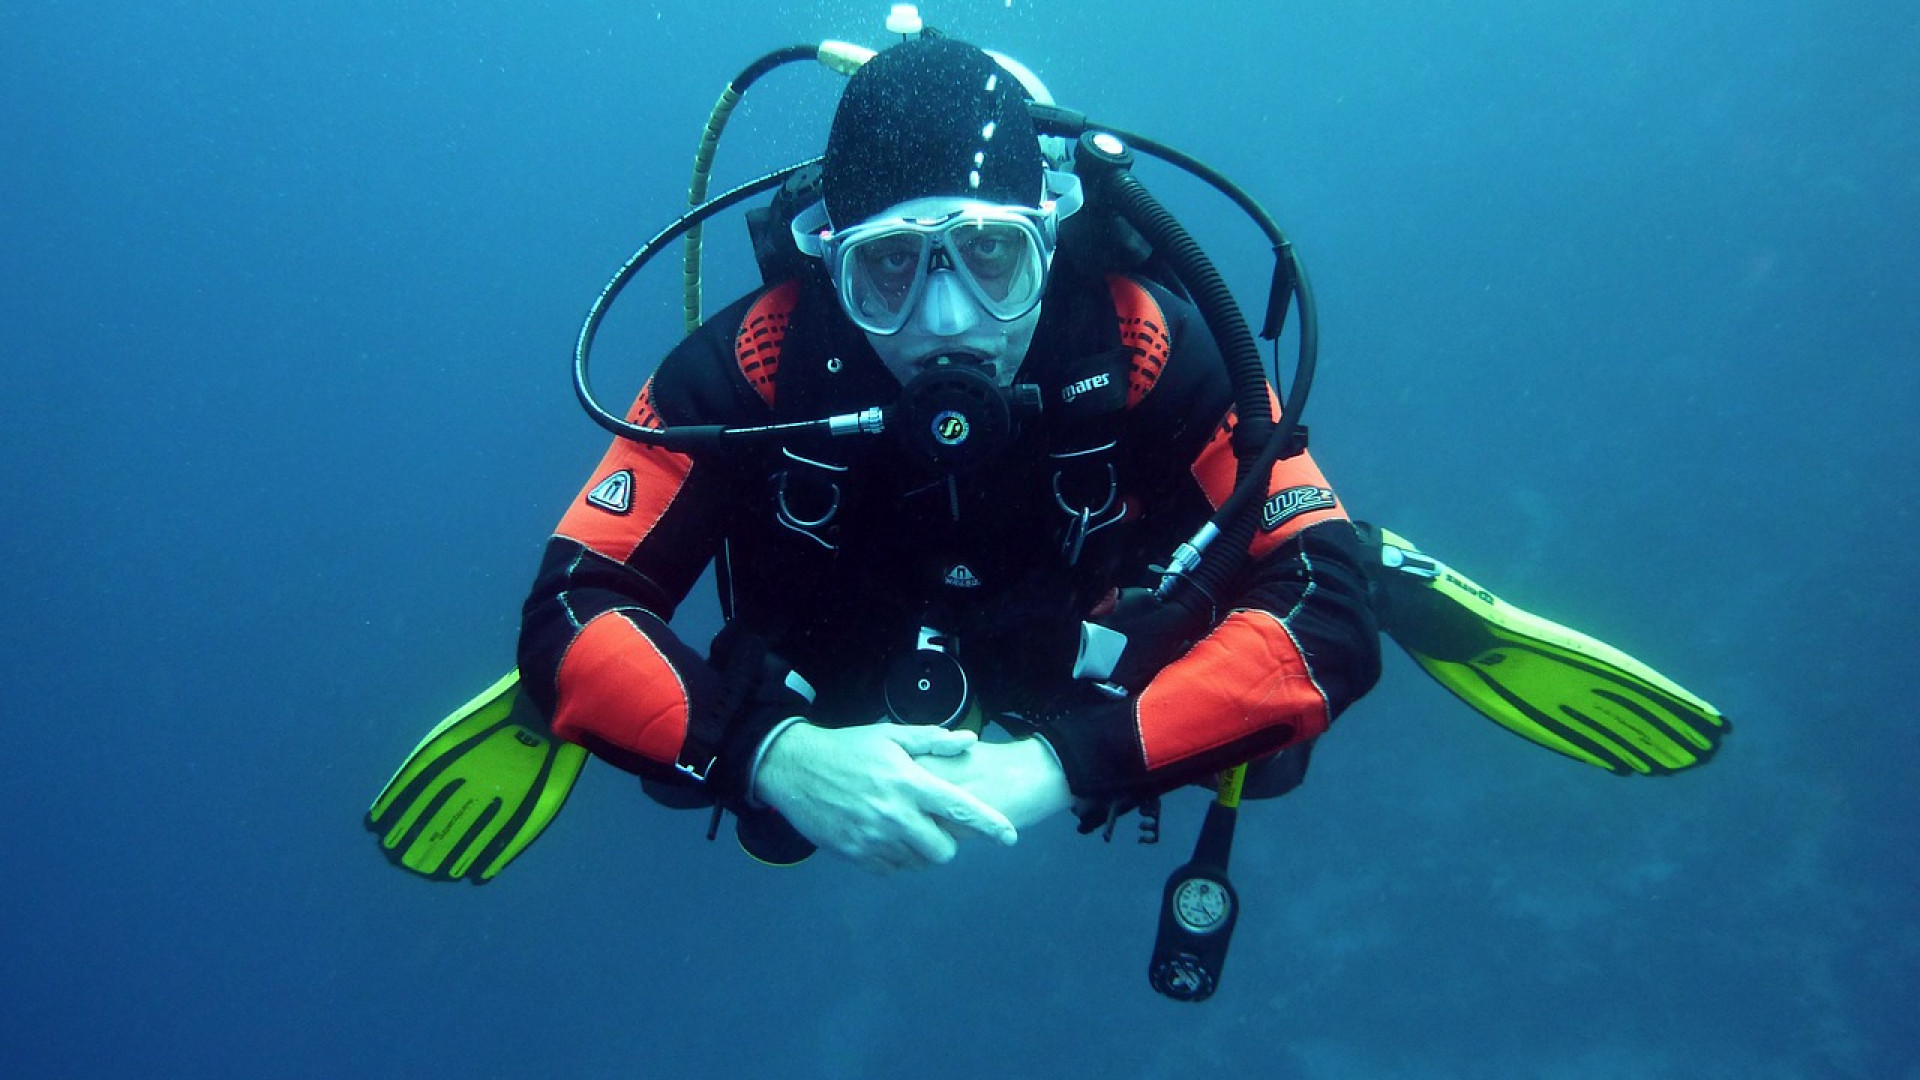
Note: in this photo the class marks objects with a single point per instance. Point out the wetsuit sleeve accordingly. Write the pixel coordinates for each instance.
(1298, 647)
(1296, 642)
(596, 652)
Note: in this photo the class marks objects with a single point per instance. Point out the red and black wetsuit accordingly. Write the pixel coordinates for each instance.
(834, 554)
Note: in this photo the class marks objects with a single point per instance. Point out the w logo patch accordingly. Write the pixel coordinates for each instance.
(614, 494)
(1283, 506)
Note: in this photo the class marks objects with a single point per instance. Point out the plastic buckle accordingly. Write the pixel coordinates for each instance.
(1411, 563)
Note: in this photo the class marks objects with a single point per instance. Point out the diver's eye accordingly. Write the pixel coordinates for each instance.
(991, 252)
(889, 258)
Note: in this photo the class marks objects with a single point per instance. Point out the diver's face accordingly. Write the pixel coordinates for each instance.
(948, 315)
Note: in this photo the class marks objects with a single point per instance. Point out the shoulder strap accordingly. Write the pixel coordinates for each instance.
(1105, 357)
(1089, 409)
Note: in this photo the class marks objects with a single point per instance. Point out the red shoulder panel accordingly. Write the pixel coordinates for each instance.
(756, 348)
(1143, 333)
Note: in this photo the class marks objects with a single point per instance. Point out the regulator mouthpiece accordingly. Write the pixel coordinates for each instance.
(957, 417)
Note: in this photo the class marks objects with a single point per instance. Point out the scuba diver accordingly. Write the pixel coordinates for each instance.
(929, 557)
(1006, 518)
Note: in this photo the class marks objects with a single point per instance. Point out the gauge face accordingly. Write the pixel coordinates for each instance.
(1201, 904)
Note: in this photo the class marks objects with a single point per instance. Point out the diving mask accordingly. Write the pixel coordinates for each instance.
(882, 268)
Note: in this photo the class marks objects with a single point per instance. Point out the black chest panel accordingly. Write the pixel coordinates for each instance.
(843, 569)
(845, 550)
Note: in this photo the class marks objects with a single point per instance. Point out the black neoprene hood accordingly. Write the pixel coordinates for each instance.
(927, 117)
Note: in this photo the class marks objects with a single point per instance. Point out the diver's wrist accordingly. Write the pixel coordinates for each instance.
(754, 798)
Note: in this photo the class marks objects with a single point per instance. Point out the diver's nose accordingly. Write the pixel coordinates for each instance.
(947, 309)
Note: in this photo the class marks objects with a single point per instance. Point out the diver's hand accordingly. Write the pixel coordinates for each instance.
(1022, 779)
(864, 792)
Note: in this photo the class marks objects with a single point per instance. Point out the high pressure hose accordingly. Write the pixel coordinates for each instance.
(1103, 161)
(1199, 906)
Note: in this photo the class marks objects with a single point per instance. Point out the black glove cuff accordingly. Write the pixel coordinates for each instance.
(756, 695)
(1093, 736)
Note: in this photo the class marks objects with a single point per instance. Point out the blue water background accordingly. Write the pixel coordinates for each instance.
(1621, 314)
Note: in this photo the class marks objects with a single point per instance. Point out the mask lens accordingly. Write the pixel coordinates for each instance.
(879, 276)
(1003, 261)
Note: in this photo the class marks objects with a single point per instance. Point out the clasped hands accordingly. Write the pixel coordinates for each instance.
(896, 797)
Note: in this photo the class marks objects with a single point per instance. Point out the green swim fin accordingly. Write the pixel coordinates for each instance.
(477, 790)
(1545, 682)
